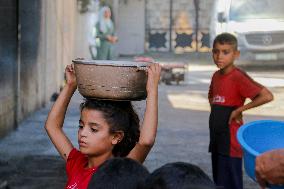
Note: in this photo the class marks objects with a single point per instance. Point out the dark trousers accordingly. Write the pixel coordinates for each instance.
(227, 171)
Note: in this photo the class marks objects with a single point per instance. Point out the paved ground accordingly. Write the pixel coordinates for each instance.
(29, 160)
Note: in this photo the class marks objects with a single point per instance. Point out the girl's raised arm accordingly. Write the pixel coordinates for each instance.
(55, 119)
(149, 128)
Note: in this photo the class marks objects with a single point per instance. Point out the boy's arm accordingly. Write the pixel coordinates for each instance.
(263, 97)
(55, 119)
(149, 128)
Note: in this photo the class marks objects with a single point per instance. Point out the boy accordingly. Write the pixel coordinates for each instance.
(227, 93)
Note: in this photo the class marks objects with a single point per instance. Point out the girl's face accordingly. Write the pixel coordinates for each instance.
(93, 135)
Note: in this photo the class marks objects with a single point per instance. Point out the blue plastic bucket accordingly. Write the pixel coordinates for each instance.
(257, 137)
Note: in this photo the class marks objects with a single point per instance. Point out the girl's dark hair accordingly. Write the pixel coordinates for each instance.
(120, 116)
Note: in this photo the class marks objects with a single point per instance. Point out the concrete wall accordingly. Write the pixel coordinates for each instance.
(37, 40)
(130, 28)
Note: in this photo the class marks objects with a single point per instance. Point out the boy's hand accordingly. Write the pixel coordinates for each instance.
(154, 71)
(269, 168)
(70, 76)
(237, 116)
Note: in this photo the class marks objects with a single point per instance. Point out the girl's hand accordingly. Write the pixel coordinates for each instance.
(70, 76)
(154, 71)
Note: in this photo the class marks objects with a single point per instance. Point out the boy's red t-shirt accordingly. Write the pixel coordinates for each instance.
(77, 173)
(233, 88)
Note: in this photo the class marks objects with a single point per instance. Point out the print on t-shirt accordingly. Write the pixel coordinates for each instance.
(218, 99)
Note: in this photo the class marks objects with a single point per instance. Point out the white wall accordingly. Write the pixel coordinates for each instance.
(130, 27)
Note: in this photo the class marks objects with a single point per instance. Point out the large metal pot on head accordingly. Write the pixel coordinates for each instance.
(111, 80)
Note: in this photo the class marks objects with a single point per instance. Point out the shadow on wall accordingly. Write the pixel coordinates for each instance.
(20, 23)
(30, 79)
(8, 51)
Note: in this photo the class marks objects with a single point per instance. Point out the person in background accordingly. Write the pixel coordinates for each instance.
(228, 91)
(119, 173)
(269, 168)
(105, 34)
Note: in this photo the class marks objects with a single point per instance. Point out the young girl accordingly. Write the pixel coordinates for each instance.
(106, 129)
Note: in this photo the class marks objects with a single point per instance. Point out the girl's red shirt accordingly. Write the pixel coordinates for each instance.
(77, 172)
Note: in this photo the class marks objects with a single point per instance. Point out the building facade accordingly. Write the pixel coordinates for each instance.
(36, 42)
(179, 26)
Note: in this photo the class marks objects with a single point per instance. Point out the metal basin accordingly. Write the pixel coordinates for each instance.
(111, 80)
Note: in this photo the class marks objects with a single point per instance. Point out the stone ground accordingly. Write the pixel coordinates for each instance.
(29, 160)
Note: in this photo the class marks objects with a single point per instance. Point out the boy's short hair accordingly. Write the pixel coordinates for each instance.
(119, 173)
(226, 38)
(179, 175)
